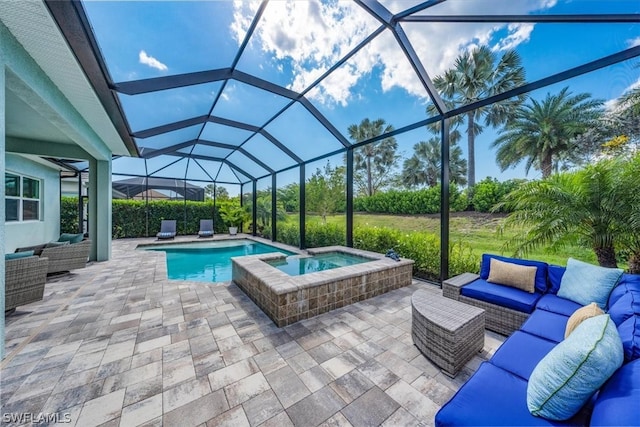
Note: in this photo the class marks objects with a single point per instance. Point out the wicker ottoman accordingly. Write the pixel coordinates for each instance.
(448, 332)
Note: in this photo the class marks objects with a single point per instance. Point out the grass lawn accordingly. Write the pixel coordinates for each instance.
(479, 230)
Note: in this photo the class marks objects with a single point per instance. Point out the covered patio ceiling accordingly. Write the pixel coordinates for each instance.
(235, 92)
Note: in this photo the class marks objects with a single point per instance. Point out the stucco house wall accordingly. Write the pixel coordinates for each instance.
(27, 233)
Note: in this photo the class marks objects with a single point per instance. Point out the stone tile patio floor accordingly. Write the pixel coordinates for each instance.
(117, 343)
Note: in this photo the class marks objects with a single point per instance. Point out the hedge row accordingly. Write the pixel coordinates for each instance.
(129, 217)
(424, 201)
(422, 247)
(482, 198)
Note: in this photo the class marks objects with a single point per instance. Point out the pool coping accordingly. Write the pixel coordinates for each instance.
(218, 238)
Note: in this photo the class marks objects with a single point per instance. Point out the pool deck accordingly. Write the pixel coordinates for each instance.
(117, 343)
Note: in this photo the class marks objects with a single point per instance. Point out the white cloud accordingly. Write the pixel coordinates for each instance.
(612, 105)
(151, 61)
(517, 34)
(633, 42)
(313, 36)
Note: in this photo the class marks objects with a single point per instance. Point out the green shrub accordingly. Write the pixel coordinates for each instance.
(318, 235)
(68, 214)
(423, 201)
(288, 233)
(129, 217)
(489, 192)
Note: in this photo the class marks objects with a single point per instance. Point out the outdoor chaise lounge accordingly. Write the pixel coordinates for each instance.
(69, 252)
(167, 229)
(574, 361)
(206, 228)
(25, 276)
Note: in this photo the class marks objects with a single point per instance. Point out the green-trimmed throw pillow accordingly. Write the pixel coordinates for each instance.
(585, 283)
(565, 379)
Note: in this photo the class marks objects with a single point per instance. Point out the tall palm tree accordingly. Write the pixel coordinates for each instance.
(375, 160)
(568, 208)
(542, 133)
(476, 75)
(423, 168)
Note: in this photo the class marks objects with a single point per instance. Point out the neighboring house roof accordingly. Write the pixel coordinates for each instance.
(133, 186)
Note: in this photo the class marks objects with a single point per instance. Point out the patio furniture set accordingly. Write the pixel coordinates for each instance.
(573, 354)
(26, 270)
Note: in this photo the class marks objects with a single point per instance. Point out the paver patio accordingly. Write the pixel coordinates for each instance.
(117, 343)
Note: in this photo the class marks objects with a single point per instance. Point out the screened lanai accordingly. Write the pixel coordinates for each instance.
(256, 96)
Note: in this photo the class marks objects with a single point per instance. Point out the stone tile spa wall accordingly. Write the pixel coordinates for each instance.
(287, 299)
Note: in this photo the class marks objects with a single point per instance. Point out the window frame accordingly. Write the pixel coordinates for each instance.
(21, 198)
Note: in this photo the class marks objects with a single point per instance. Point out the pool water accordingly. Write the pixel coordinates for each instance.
(295, 266)
(210, 262)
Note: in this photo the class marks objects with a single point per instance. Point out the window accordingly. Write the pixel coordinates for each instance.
(22, 198)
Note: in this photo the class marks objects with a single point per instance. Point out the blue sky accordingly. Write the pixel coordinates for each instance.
(296, 42)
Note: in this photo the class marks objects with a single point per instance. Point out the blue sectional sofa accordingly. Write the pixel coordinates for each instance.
(497, 392)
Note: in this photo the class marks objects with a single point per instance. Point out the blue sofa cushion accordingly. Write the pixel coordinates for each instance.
(624, 309)
(624, 301)
(505, 296)
(628, 283)
(541, 274)
(521, 353)
(555, 273)
(585, 283)
(555, 304)
(546, 324)
(494, 397)
(629, 332)
(617, 403)
(567, 377)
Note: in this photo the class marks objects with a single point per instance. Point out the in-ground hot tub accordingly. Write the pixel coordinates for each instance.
(287, 298)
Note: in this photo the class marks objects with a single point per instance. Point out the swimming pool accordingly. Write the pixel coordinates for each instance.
(211, 261)
(295, 266)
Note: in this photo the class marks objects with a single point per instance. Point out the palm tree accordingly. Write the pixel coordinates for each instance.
(476, 75)
(567, 208)
(375, 160)
(543, 133)
(424, 166)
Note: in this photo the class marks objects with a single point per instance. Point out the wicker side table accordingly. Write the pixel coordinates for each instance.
(448, 332)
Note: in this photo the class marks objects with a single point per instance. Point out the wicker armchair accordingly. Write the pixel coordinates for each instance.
(24, 281)
(67, 257)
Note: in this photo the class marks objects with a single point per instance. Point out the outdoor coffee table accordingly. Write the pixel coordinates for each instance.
(446, 331)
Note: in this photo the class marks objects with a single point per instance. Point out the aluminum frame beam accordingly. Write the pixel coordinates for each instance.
(561, 19)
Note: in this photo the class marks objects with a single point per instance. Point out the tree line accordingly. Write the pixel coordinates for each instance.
(558, 132)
